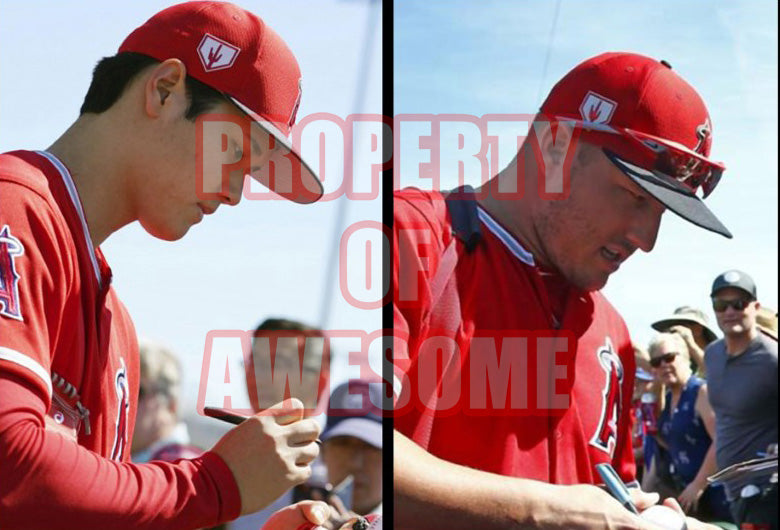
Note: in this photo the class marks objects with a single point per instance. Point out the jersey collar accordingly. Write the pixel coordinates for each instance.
(74, 197)
(511, 243)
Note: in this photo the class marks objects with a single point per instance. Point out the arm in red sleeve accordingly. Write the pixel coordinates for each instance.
(415, 256)
(48, 481)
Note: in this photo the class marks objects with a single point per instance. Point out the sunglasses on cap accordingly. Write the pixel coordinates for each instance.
(685, 167)
(720, 304)
(665, 358)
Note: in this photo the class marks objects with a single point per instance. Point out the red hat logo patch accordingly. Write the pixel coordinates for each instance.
(216, 54)
(596, 108)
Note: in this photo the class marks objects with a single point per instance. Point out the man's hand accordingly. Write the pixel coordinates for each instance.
(309, 513)
(690, 522)
(338, 513)
(585, 506)
(269, 453)
(689, 497)
(683, 331)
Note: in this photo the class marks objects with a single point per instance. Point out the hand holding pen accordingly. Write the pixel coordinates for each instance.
(268, 453)
(661, 515)
(228, 417)
(616, 486)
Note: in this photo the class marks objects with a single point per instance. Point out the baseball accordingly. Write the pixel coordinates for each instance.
(665, 517)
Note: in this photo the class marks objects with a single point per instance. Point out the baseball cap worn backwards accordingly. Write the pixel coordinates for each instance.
(235, 52)
(650, 123)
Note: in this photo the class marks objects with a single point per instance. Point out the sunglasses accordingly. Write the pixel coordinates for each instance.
(720, 305)
(665, 358)
(670, 161)
(689, 170)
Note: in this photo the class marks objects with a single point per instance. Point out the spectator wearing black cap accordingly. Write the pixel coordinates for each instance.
(742, 377)
(352, 443)
(693, 326)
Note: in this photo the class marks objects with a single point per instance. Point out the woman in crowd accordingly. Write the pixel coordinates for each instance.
(686, 429)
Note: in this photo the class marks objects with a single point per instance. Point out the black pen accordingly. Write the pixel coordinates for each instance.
(229, 417)
(616, 486)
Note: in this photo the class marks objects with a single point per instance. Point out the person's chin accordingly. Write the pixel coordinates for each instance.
(174, 236)
(735, 329)
(166, 232)
(594, 281)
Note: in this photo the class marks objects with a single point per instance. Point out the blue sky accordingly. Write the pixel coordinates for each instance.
(259, 259)
(488, 57)
(270, 258)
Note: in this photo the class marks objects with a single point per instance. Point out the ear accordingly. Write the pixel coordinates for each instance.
(554, 145)
(555, 141)
(165, 88)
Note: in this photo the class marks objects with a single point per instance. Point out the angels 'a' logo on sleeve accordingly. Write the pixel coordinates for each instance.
(123, 405)
(10, 249)
(605, 436)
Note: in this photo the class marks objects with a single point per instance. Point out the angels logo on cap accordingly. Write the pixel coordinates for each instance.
(216, 54)
(294, 112)
(704, 134)
(596, 108)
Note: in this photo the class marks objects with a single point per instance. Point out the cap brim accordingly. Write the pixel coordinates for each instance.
(370, 431)
(663, 325)
(287, 174)
(642, 375)
(671, 194)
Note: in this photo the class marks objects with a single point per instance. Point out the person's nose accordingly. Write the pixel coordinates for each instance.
(235, 188)
(643, 231)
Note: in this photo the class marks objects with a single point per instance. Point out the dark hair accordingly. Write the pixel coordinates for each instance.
(284, 324)
(112, 75)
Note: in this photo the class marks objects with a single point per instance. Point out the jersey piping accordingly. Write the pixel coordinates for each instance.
(74, 197)
(7, 354)
(505, 237)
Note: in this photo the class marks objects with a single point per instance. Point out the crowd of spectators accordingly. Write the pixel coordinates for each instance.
(703, 403)
(288, 359)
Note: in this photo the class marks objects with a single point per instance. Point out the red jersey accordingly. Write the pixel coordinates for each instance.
(69, 366)
(504, 302)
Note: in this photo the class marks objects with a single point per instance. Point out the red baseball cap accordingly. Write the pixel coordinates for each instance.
(236, 53)
(650, 123)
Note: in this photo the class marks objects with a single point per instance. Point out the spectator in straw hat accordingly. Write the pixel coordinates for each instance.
(693, 326)
(766, 321)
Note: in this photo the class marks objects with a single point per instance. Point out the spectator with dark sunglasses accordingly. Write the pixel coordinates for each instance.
(686, 428)
(742, 376)
(692, 325)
